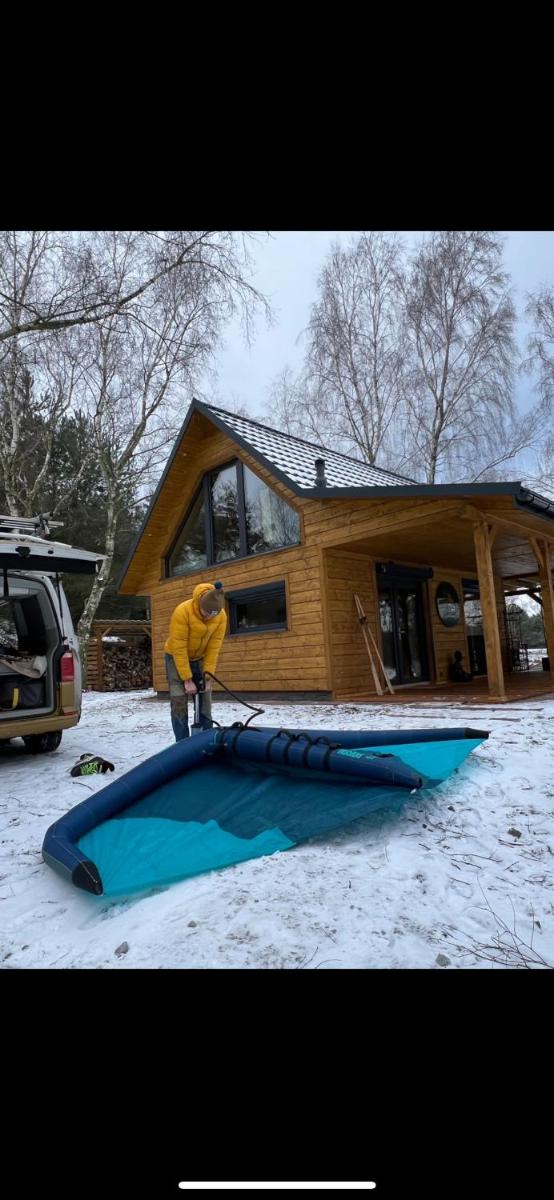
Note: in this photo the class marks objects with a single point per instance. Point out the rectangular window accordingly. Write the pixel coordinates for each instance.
(258, 610)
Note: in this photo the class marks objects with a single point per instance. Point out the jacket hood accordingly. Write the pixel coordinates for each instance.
(198, 592)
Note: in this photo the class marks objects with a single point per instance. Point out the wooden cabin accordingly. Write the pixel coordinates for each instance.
(294, 532)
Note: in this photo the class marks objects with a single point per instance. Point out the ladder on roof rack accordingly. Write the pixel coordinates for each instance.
(33, 525)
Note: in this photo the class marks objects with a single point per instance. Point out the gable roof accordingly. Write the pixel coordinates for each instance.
(292, 460)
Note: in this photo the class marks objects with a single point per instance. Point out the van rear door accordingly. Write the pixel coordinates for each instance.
(27, 553)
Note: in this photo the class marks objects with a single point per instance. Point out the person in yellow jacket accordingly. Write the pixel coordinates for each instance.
(196, 632)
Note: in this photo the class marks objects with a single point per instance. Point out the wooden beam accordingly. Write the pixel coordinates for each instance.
(489, 612)
(542, 552)
(423, 514)
(473, 513)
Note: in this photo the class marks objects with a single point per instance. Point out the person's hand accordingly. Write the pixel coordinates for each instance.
(208, 684)
(190, 687)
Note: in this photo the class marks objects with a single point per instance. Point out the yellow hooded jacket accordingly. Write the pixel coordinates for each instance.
(193, 636)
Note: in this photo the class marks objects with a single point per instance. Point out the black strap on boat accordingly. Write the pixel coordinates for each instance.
(293, 737)
(239, 730)
(332, 746)
(6, 585)
(280, 733)
(299, 737)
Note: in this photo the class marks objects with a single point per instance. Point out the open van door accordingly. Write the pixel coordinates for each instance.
(23, 549)
(24, 552)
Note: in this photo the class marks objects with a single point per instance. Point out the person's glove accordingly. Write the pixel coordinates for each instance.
(91, 764)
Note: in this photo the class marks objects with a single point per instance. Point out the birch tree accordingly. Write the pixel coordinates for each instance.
(56, 280)
(540, 362)
(460, 323)
(139, 372)
(349, 392)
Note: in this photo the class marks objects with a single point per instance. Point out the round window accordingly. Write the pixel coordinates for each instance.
(448, 604)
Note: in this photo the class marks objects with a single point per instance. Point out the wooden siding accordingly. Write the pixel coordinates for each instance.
(446, 638)
(345, 574)
(288, 660)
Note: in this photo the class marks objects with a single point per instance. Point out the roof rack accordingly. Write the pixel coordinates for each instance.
(41, 524)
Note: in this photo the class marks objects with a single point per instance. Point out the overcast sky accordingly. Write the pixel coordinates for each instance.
(286, 270)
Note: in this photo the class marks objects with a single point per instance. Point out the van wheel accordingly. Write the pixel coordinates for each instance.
(43, 743)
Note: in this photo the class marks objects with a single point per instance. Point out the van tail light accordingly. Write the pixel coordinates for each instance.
(67, 667)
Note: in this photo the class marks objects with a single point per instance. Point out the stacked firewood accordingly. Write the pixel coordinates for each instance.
(127, 664)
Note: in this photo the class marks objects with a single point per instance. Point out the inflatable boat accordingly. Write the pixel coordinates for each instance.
(227, 795)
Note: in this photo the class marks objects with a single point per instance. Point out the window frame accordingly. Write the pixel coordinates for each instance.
(243, 595)
(204, 489)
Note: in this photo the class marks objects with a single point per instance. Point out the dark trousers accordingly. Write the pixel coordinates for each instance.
(178, 699)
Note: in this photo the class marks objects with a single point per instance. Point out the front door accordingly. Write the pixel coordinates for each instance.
(403, 631)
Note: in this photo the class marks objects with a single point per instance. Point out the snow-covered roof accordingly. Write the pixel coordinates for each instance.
(295, 459)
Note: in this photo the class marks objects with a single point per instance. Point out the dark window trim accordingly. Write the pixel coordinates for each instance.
(243, 595)
(204, 488)
(201, 571)
(166, 558)
(210, 542)
(398, 571)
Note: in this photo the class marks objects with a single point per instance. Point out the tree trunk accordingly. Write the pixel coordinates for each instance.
(100, 583)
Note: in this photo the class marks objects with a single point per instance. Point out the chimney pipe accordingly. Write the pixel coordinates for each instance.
(320, 472)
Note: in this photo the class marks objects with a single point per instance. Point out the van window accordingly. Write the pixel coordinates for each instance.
(9, 639)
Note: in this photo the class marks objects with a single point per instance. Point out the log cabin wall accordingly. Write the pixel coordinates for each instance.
(446, 639)
(347, 573)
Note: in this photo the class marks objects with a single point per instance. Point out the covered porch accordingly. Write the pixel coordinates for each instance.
(489, 548)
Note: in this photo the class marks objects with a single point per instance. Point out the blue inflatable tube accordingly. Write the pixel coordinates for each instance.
(227, 795)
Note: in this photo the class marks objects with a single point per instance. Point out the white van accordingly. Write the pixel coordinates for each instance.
(40, 664)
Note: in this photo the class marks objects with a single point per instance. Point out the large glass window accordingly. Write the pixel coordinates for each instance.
(224, 503)
(233, 515)
(257, 610)
(190, 550)
(270, 521)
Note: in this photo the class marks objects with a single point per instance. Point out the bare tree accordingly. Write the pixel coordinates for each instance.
(138, 371)
(540, 344)
(293, 408)
(460, 321)
(55, 280)
(350, 389)
(36, 391)
(540, 361)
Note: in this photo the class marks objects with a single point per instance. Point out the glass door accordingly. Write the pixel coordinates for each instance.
(403, 632)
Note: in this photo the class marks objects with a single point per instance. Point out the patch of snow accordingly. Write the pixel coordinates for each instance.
(461, 877)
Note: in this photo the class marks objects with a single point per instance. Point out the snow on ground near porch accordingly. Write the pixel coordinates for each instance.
(462, 877)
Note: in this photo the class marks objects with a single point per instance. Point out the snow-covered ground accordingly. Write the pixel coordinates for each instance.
(461, 877)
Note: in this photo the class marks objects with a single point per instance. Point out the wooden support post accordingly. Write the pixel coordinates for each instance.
(542, 554)
(100, 662)
(489, 612)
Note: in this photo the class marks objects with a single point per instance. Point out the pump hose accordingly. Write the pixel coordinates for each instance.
(255, 711)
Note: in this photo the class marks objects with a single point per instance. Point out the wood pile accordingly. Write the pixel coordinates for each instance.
(119, 656)
(127, 664)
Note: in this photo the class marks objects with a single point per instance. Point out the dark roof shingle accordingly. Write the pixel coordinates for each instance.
(295, 459)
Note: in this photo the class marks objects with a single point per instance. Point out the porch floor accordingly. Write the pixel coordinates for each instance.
(520, 685)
